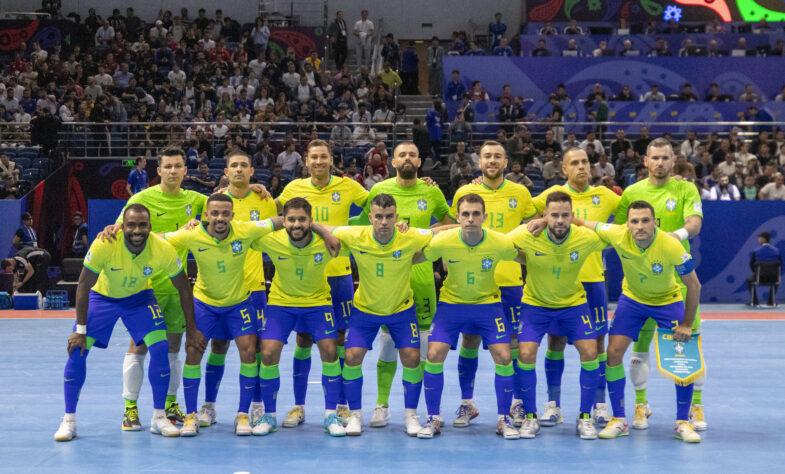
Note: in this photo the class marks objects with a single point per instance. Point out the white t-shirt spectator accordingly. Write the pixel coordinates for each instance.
(104, 80)
(65, 114)
(771, 192)
(364, 28)
(24, 117)
(221, 90)
(220, 130)
(257, 66)
(597, 145)
(606, 170)
(291, 79)
(177, 79)
(731, 193)
(103, 35)
(288, 161)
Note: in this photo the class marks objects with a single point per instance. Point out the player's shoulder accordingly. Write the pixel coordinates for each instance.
(495, 238)
(449, 235)
(670, 243)
(635, 187)
(517, 188)
(467, 189)
(583, 233)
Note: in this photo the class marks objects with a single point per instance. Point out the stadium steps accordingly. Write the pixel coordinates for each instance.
(416, 105)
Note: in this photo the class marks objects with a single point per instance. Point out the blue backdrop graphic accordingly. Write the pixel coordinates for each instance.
(10, 215)
(102, 212)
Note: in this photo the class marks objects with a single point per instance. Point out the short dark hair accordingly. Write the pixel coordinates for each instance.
(238, 153)
(136, 208)
(7, 262)
(27, 216)
(297, 203)
(558, 196)
(172, 150)
(383, 200)
(218, 197)
(138, 159)
(658, 143)
(640, 205)
(765, 236)
(318, 142)
(471, 198)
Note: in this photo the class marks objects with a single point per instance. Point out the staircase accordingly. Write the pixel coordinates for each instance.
(416, 105)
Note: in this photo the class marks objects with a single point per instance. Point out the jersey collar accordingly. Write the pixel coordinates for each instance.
(548, 236)
(484, 236)
(204, 229)
(133, 255)
(310, 180)
(229, 193)
(656, 234)
(567, 185)
(504, 181)
(313, 239)
(395, 234)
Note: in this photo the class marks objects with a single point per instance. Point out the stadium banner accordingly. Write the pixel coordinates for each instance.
(645, 43)
(303, 39)
(681, 362)
(536, 77)
(47, 33)
(102, 213)
(11, 214)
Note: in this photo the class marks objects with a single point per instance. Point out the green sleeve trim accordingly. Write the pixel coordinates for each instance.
(434, 368)
(302, 353)
(603, 357)
(269, 372)
(341, 352)
(469, 353)
(192, 371)
(591, 365)
(504, 370)
(412, 375)
(352, 372)
(87, 266)
(179, 271)
(614, 373)
(554, 355)
(249, 370)
(331, 369)
(154, 337)
(523, 366)
(216, 359)
(535, 213)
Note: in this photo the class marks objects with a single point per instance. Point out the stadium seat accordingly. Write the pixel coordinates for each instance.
(42, 164)
(23, 162)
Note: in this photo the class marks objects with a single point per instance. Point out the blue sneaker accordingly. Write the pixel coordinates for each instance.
(334, 425)
(267, 424)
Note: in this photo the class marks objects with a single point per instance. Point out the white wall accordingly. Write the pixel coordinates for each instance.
(404, 18)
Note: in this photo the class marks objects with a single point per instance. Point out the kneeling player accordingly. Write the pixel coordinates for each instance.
(649, 290)
(299, 296)
(471, 304)
(115, 284)
(554, 301)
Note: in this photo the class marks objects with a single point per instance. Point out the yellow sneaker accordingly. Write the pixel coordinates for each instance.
(190, 426)
(615, 428)
(343, 413)
(242, 425)
(295, 417)
(642, 414)
(696, 418)
(685, 432)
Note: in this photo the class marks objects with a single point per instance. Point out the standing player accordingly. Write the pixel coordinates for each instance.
(331, 198)
(508, 204)
(299, 294)
(470, 303)
(649, 290)
(384, 298)
(597, 204)
(678, 210)
(554, 300)
(417, 203)
(115, 284)
(222, 307)
(248, 207)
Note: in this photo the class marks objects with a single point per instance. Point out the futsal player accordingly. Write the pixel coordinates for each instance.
(649, 258)
(470, 303)
(597, 204)
(678, 211)
(115, 284)
(507, 204)
(554, 300)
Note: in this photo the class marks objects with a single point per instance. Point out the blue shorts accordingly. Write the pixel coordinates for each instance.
(279, 321)
(511, 302)
(572, 322)
(487, 320)
(140, 314)
(342, 294)
(631, 315)
(598, 306)
(227, 323)
(363, 328)
(258, 302)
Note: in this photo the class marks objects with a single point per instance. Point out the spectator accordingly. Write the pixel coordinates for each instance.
(774, 191)
(25, 236)
(591, 138)
(433, 120)
(548, 29)
(768, 175)
(9, 173)
(516, 175)
(477, 93)
(378, 157)
(389, 77)
(363, 135)
(410, 69)
(749, 191)
(391, 53)
(737, 177)
(764, 253)
(749, 95)
(705, 167)
(496, 29)
(460, 129)
(275, 187)
(137, 178)
(21, 269)
(627, 49)
(602, 50)
(338, 36)
(609, 183)
(624, 95)
(602, 168)
(79, 245)
(370, 176)
(552, 171)
(660, 48)
(724, 190)
(465, 176)
(455, 89)
(363, 31)
(728, 166)
(503, 49)
(683, 168)
(550, 142)
(572, 49)
(458, 159)
(474, 50)
(289, 159)
(572, 28)
(205, 181)
(104, 35)
(541, 49)
(689, 147)
(719, 154)
(654, 95)
(686, 94)
(643, 141)
(520, 147)
(435, 58)
(686, 48)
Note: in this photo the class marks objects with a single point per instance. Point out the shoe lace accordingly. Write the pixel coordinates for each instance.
(518, 410)
(175, 409)
(463, 410)
(133, 414)
(267, 418)
(293, 412)
(697, 413)
(333, 419)
(640, 411)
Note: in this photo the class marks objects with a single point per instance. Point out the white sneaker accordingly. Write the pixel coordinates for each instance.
(505, 428)
(295, 417)
(530, 426)
(162, 426)
(642, 414)
(67, 430)
(333, 425)
(552, 415)
(600, 414)
(466, 413)
(696, 418)
(381, 415)
(686, 433)
(412, 423)
(616, 428)
(584, 427)
(242, 425)
(430, 429)
(256, 412)
(354, 425)
(267, 424)
(206, 416)
(190, 426)
(517, 413)
(440, 419)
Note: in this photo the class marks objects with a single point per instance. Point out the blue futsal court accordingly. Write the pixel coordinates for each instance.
(743, 397)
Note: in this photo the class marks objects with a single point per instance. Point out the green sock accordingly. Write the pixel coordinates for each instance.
(385, 372)
(697, 397)
(130, 403)
(640, 396)
(170, 399)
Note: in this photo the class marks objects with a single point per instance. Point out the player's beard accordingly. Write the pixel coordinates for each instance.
(499, 173)
(559, 232)
(293, 237)
(407, 171)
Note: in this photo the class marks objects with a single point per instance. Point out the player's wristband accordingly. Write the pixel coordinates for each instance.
(682, 234)
(81, 329)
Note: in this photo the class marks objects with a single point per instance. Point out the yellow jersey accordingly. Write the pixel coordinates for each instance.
(252, 208)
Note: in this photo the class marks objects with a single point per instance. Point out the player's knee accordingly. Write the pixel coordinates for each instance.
(353, 356)
(219, 346)
(615, 355)
(527, 355)
(304, 340)
(556, 343)
(471, 341)
(327, 351)
(410, 357)
(138, 350)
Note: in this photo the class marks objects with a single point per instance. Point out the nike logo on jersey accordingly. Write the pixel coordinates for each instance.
(624, 256)
(159, 214)
(588, 332)
(453, 261)
(329, 332)
(159, 323)
(414, 341)
(283, 258)
(360, 251)
(329, 380)
(539, 254)
(249, 388)
(506, 390)
(499, 336)
(244, 328)
(202, 250)
(115, 269)
(599, 327)
(69, 380)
